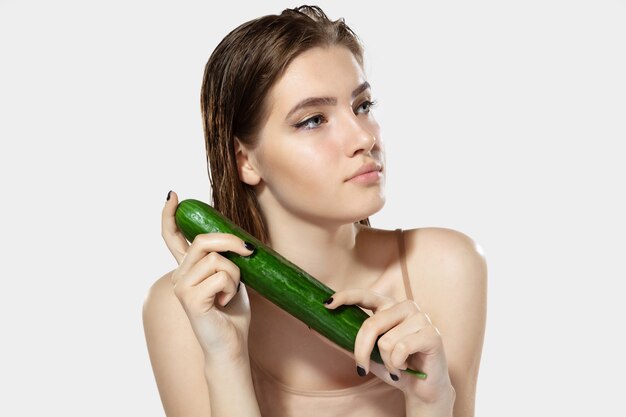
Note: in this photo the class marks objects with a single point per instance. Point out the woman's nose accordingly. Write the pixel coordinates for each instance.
(359, 138)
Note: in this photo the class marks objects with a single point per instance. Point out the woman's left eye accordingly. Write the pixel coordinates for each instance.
(366, 106)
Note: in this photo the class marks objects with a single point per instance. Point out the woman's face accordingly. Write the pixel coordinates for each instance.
(318, 133)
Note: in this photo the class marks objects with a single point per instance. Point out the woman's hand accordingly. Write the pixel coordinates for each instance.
(409, 340)
(207, 285)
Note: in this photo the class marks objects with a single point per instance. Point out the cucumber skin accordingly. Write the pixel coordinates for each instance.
(277, 279)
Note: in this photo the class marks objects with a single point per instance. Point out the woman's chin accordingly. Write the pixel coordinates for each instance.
(369, 209)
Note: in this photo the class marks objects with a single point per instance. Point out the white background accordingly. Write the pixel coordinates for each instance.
(501, 119)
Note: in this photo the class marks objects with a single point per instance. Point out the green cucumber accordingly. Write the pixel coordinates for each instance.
(279, 280)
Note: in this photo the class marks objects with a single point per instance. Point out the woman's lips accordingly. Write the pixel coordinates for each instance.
(366, 169)
(367, 177)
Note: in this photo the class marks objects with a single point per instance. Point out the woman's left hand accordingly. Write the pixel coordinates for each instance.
(409, 340)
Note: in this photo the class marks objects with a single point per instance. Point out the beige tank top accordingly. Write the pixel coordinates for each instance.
(373, 398)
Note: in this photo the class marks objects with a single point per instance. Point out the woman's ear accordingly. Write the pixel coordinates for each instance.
(245, 166)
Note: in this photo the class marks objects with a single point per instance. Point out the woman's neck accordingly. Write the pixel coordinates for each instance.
(326, 251)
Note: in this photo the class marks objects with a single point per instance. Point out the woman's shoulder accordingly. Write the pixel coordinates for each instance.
(160, 300)
(448, 244)
(441, 262)
(161, 287)
(448, 273)
(445, 257)
(426, 242)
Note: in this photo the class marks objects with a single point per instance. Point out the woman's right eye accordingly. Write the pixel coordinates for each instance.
(311, 123)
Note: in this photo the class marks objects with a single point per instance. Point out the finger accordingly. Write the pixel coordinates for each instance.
(368, 299)
(377, 325)
(426, 341)
(201, 299)
(174, 239)
(388, 342)
(206, 243)
(218, 287)
(210, 264)
(206, 268)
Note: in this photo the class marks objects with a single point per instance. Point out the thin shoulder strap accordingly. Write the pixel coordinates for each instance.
(405, 271)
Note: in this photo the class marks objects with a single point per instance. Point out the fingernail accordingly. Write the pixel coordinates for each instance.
(360, 371)
(238, 285)
(168, 195)
(330, 300)
(249, 246)
(394, 377)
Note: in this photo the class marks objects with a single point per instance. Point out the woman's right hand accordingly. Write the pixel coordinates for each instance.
(207, 285)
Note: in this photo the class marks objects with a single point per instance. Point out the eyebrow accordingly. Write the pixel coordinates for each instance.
(325, 101)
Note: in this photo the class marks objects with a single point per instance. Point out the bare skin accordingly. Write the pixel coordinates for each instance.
(300, 178)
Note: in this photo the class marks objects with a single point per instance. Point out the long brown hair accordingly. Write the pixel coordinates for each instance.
(237, 78)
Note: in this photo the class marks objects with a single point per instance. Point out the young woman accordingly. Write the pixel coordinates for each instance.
(296, 158)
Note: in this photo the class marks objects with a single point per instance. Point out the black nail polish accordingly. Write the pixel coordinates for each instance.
(360, 371)
(330, 300)
(394, 377)
(168, 195)
(249, 246)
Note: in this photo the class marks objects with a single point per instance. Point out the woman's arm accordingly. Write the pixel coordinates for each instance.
(442, 408)
(184, 380)
(450, 272)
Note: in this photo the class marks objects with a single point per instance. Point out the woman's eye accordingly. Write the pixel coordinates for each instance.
(366, 106)
(311, 122)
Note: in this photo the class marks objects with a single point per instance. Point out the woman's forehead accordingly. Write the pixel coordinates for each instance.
(318, 72)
